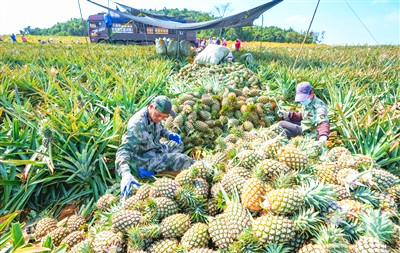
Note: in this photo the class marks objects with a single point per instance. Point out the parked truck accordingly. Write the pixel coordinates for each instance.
(115, 29)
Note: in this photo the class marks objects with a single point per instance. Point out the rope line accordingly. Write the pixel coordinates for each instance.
(86, 38)
(361, 22)
(305, 37)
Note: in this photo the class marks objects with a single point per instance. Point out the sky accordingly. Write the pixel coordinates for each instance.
(334, 17)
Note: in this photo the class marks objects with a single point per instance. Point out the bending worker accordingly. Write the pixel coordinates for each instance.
(312, 121)
(141, 149)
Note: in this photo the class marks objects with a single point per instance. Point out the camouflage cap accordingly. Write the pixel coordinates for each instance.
(303, 90)
(164, 105)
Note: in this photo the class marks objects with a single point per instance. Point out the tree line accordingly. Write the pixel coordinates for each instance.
(78, 27)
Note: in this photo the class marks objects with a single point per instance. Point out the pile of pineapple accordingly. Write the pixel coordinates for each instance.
(231, 74)
(203, 117)
(258, 192)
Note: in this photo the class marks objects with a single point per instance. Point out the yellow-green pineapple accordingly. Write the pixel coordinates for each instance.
(165, 187)
(293, 157)
(175, 225)
(107, 241)
(161, 207)
(84, 246)
(327, 173)
(231, 181)
(220, 232)
(202, 250)
(58, 234)
(163, 246)
(273, 168)
(196, 237)
(125, 219)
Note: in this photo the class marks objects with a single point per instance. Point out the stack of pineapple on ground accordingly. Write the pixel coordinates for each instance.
(258, 192)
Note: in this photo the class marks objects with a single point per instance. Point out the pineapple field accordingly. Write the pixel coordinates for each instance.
(64, 108)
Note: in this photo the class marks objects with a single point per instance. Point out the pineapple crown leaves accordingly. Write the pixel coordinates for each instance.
(186, 196)
(245, 243)
(307, 220)
(377, 224)
(366, 196)
(198, 214)
(332, 237)
(318, 195)
(276, 248)
(351, 229)
(284, 180)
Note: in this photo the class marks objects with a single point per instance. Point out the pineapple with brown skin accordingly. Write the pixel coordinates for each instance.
(58, 235)
(73, 239)
(105, 202)
(45, 226)
(76, 222)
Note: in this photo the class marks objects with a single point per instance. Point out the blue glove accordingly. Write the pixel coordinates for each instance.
(144, 173)
(175, 137)
(127, 182)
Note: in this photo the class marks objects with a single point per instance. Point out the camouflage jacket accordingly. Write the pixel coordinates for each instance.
(142, 135)
(314, 118)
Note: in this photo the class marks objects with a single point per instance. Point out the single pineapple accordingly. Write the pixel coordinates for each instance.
(84, 246)
(196, 237)
(270, 148)
(165, 187)
(351, 207)
(143, 192)
(347, 162)
(107, 241)
(175, 226)
(327, 172)
(253, 194)
(125, 219)
(163, 246)
(249, 158)
(220, 232)
(58, 235)
(293, 157)
(231, 181)
(273, 168)
(45, 226)
(336, 152)
(161, 207)
(241, 171)
(105, 202)
(76, 222)
(202, 250)
(384, 179)
(73, 239)
(201, 187)
(341, 192)
(271, 228)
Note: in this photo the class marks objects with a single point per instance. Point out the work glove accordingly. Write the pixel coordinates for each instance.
(283, 114)
(127, 182)
(175, 137)
(145, 173)
(323, 138)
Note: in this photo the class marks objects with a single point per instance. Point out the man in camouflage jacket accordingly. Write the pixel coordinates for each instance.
(141, 149)
(312, 121)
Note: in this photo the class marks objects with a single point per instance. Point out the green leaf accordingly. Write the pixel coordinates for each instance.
(32, 249)
(6, 220)
(17, 236)
(4, 239)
